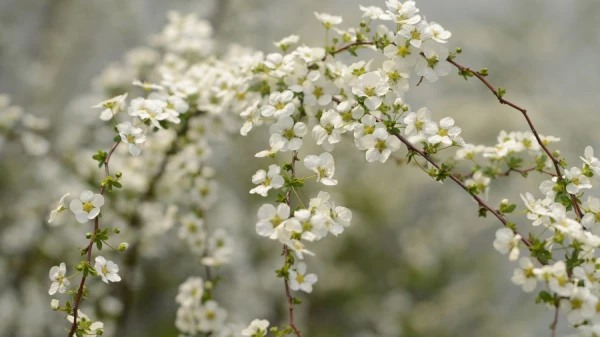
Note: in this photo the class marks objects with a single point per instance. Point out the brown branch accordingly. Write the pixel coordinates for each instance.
(501, 99)
(507, 172)
(90, 246)
(555, 321)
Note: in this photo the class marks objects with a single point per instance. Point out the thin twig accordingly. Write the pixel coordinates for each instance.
(286, 253)
(523, 111)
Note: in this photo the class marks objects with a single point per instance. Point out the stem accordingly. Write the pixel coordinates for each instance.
(90, 246)
(286, 253)
(555, 161)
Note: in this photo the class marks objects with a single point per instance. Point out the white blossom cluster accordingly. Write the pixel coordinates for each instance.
(186, 97)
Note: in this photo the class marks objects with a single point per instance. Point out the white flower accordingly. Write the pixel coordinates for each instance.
(87, 207)
(328, 20)
(299, 280)
(107, 270)
(328, 131)
(279, 104)
(580, 306)
(380, 145)
(577, 180)
(374, 12)
(402, 52)
(434, 64)
(153, 110)
(416, 34)
(257, 328)
(419, 125)
(403, 13)
(54, 304)
(285, 43)
(270, 218)
(59, 281)
(289, 133)
(60, 207)
(446, 133)
(323, 166)
(131, 136)
(313, 226)
(111, 107)
(437, 32)
(507, 242)
(267, 180)
(251, 116)
(558, 281)
(592, 161)
(276, 142)
(372, 86)
(176, 106)
(210, 316)
(147, 86)
(91, 328)
(524, 275)
(190, 292)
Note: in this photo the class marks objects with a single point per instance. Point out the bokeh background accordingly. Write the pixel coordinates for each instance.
(417, 261)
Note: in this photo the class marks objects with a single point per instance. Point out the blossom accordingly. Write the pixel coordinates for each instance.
(267, 180)
(415, 34)
(270, 218)
(380, 145)
(372, 86)
(289, 133)
(59, 281)
(446, 133)
(507, 242)
(300, 280)
(190, 292)
(54, 304)
(211, 317)
(153, 110)
(577, 180)
(60, 207)
(111, 106)
(92, 329)
(257, 328)
(434, 64)
(131, 136)
(276, 142)
(323, 166)
(524, 275)
(419, 125)
(402, 52)
(437, 32)
(107, 270)
(313, 225)
(286, 42)
(87, 206)
(328, 20)
(374, 12)
(328, 131)
(403, 13)
(581, 305)
(279, 104)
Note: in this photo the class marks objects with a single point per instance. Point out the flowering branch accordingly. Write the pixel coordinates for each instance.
(90, 246)
(500, 96)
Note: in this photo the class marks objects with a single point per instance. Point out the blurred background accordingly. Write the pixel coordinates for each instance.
(417, 261)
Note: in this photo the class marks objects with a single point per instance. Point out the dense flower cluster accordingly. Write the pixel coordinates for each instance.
(182, 98)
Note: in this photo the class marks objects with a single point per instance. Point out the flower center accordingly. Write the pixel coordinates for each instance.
(432, 62)
(289, 134)
(210, 315)
(300, 278)
(279, 106)
(276, 221)
(380, 145)
(415, 35)
(130, 139)
(443, 132)
(88, 207)
(318, 92)
(403, 51)
(370, 91)
(322, 171)
(307, 226)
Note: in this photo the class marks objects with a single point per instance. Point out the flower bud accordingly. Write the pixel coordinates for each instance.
(54, 304)
(123, 246)
(119, 174)
(88, 235)
(504, 202)
(117, 230)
